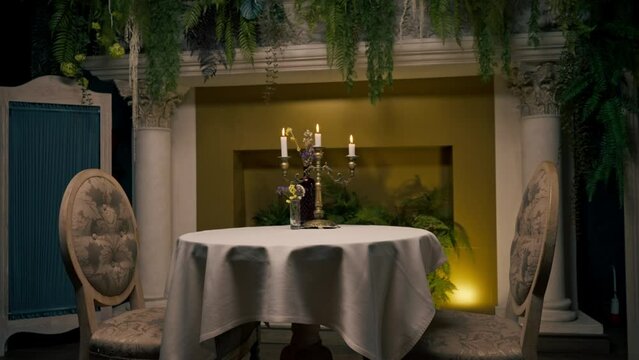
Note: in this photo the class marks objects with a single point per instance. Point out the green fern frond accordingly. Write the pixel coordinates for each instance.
(229, 41)
(533, 24)
(66, 31)
(276, 213)
(379, 27)
(194, 13)
(440, 285)
(225, 32)
(163, 47)
(251, 9)
(247, 39)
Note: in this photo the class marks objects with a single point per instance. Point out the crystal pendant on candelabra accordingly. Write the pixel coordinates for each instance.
(295, 214)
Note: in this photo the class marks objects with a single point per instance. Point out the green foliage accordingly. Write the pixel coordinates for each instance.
(349, 21)
(601, 49)
(251, 9)
(342, 31)
(70, 37)
(234, 24)
(595, 68)
(440, 285)
(199, 22)
(378, 20)
(415, 206)
(533, 23)
(275, 30)
(276, 213)
(446, 18)
(490, 23)
(162, 45)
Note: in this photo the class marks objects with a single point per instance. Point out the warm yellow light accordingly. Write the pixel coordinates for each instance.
(283, 132)
(316, 128)
(464, 295)
(351, 139)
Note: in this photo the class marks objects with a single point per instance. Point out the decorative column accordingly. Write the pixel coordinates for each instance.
(540, 141)
(152, 187)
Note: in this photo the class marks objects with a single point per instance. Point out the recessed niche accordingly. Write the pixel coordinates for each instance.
(379, 175)
(441, 130)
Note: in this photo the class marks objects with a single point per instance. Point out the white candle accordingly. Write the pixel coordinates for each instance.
(318, 136)
(283, 146)
(351, 147)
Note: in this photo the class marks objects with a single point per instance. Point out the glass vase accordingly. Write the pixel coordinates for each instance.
(295, 214)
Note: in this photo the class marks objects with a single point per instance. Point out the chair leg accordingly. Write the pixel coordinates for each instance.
(255, 348)
(255, 351)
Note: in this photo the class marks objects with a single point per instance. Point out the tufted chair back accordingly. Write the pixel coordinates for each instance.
(532, 251)
(456, 334)
(99, 246)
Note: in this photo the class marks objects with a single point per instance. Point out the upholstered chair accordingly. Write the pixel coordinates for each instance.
(466, 335)
(100, 248)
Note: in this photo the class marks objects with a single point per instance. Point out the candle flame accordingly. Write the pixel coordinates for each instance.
(316, 128)
(283, 132)
(351, 139)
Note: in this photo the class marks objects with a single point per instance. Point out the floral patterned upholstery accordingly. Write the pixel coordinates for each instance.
(99, 245)
(525, 250)
(134, 334)
(466, 335)
(104, 236)
(472, 336)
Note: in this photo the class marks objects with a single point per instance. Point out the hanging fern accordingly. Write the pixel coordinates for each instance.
(446, 18)
(342, 32)
(275, 30)
(69, 30)
(81, 28)
(346, 23)
(533, 24)
(247, 38)
(162, 40)
(379, 28)
(593, 105)
(200, 37)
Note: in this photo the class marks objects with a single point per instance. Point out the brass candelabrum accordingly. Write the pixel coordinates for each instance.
(317, 168)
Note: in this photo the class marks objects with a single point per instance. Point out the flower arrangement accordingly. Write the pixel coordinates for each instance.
(306, 153)
(292, 192)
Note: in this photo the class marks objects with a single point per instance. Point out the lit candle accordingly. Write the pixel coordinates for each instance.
(283, 146)
(318, 136)
(351, 147)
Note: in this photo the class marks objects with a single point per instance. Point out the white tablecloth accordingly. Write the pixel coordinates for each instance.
(368, 283)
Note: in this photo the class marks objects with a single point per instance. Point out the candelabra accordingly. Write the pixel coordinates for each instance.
(318, 169)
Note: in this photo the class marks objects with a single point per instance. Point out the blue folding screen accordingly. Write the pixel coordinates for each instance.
(48, 145)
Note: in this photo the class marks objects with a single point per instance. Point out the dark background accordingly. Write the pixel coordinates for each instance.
(26, 55)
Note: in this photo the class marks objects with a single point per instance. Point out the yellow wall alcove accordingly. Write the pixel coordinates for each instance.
(440, 130)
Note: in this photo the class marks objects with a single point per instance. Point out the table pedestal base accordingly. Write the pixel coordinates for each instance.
(305, 344)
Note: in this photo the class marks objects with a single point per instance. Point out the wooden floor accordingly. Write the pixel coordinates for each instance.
(65, 347)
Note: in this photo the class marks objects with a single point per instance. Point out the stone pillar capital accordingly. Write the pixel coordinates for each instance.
(150, 113)
(535, 85)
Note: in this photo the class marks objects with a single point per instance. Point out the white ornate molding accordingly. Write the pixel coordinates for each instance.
(535, 85)
(414, 58)
(152, 114)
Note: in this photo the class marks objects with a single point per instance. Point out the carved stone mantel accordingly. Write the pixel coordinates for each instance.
(413, 58)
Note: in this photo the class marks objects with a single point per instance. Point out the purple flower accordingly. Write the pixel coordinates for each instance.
(282, 190)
